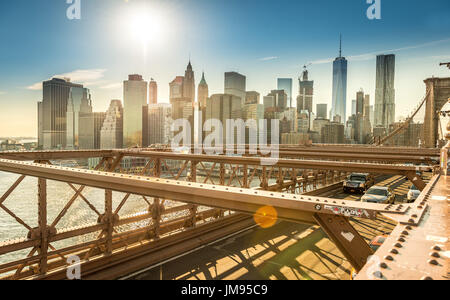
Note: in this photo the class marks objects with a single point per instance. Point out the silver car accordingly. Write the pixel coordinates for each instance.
(379, 194)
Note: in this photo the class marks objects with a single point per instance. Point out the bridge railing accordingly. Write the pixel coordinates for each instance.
(104, 226)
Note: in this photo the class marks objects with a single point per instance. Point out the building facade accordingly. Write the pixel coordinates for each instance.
(305, 94)
(339, 104)
(135, 97)
(157, 124)
(79, 102)
(285, 84)
(384, 91)
(203, 92)
(321, 111)
(152, 92)
(90, 130)
(53, 113)
(235, 84)
(111, 134)
(252, 97)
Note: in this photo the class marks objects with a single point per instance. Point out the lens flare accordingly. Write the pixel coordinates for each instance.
(266, 216)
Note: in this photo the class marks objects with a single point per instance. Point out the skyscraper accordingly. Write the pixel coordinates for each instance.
(384, 91)
(111, 134)
(157, 124)
(252, 97)
(53, 112)
(286, 85)
(79, 102)
(152, 92)
(321, 111)
(90, 129)
(203, 92)
(235, 84)
(224, 107)
(305, 94)
(339, 105)
(280, 97)
(359, 117)
(353, 107)
(176, 88)
(189, 83)
(135, 97)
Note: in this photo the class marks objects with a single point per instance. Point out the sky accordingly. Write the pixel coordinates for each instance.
(261, 39)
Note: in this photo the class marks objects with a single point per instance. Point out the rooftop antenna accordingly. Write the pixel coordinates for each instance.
(340, 45)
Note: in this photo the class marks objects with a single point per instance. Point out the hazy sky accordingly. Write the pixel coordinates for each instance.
(261, 39)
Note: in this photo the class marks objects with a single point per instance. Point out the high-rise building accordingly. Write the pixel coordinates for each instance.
(224, 107)
(203, 92)
(111, 134)
(54, 112)
(321, 111)
(152, 92)
(353, 107)
(305, 93)
(359, 118)
(252, 97)
(252, 112)
(280, 97)
(318, 124)
(235, 84)
(269, 102)
(372, 115)
(157, 124)
(291, 115)
(189, 83)
(333, 133)
(135, 97)
(384, 91)
(90, 126)
(176, 88)
(339, 104)
(286, 85)
(79, 102)
(40, 124)
(303, 121)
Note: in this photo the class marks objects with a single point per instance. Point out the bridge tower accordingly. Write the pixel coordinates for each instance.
(439, 89)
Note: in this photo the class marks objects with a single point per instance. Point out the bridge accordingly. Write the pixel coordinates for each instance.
(190, 201)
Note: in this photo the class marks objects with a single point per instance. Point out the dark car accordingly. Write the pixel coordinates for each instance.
(358, 183)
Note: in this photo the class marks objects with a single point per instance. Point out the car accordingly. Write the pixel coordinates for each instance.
(413, 193)
(380, 195)
(358, 183)
(377, 241)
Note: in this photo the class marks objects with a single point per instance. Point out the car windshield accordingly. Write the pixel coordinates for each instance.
(413, 187)
(357, 178)
(377, 192)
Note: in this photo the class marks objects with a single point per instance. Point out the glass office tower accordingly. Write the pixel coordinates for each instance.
(286, 85)
(135, 97)
(339, 105)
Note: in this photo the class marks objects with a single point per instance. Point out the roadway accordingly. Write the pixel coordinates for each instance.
(286, 251)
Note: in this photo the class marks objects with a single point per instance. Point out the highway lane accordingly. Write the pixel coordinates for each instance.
(286, 251)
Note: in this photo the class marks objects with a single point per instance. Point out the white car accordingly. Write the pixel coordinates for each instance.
(380, 195)
(413, 193)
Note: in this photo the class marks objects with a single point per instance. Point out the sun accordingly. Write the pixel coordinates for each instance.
(145, 27)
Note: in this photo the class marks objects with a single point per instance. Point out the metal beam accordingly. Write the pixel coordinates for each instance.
(290, 207)
(287, 163)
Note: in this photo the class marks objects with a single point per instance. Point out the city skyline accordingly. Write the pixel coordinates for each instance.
(23, 72)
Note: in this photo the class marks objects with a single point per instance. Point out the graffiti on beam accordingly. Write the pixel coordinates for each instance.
(348, 211)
